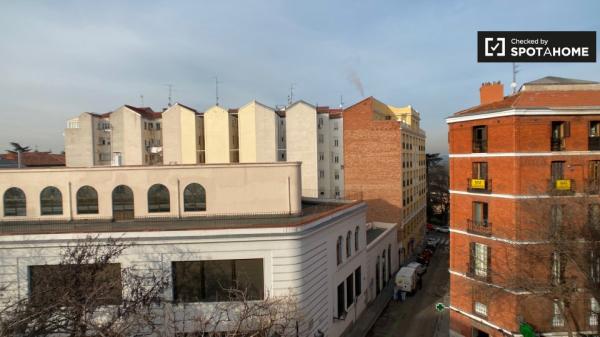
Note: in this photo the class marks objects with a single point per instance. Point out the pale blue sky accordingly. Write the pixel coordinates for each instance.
(60, 58)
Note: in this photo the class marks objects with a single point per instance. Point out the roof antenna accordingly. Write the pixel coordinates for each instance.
(170, 94)
(515, 70)
(341, 101)
(291, 96)
(142, 99)
(217, 90)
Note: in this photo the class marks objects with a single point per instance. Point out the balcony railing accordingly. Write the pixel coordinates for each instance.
(592, 186)
(479, 274)
(481, 227)
(557, 144)
(477, 185)
(479, 146)
(594, 143)
(561, 186)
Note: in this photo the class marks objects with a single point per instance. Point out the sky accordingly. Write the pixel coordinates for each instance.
(61, 58)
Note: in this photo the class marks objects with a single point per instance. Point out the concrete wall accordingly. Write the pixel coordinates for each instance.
(79, 145)
(257, 133)
(230, 189)
(127, 126)
(217, 135)
(301, 142)
(180, 135)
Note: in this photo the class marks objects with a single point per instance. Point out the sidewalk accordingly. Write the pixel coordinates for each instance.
(369, 316)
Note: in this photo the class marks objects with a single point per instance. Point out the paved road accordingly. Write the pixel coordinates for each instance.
(417, 317)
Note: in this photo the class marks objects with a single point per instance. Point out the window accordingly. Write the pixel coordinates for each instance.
(336, 159)
(157, 126)
(52, 281)
(558, 268)
(320, 123)
(594, 176)
(321, 138)
(594, 136)
(594, 310)
(558, 319)
(480, 138)
(480, 309)
(480, 257)
(338, 250)
(357, 282)
(556, 218)
(87, 200)
(480, 170)
(321, 174)
(336, 142)
(218, 280)
(122, 203)
(356, 237)
(349, 244)
(158, 199)
(335, 125)
(350, 290)
(594, 216)
(336, 175)
(389, 261)
(383, 273)
(557, 170)
(14, 202)
(341, 304)
(145, 126)
(480, 213)
(321, 156)
(560, 130)
(594, 267)
(194, 198)
(51, 201)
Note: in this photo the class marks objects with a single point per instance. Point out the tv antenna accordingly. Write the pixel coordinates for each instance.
(142, 99)
(515, 70)
(217, 90)
(170, 94)
(341, 101)
(291, 95)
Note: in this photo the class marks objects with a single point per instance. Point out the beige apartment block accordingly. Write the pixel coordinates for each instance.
(183, 135)
(221, 140)
(257, 133)
(301, 144)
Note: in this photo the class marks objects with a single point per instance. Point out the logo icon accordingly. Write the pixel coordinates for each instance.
(495, 46)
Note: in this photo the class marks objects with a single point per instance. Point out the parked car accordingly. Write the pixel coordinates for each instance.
(442, 229)
(406, 279)
(432, 242)
(429, 227)
(421, 269)
(425, 257)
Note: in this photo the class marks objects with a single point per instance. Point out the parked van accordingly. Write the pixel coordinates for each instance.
(406, 279)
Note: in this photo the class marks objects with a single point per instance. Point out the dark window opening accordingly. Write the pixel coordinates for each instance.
(51, 201)
(194, 198)
(480, 138)
(15, 203)
(87, 200)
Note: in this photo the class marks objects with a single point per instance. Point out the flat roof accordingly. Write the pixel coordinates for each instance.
(311, 210)
(373, 233)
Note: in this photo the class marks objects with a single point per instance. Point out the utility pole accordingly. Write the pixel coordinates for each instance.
(170, 94)
(217, 90)
(291, 95)
(142, 99)
(515, 70)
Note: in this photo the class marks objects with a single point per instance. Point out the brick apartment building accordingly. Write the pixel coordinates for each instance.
(517, 164)
(384, 164)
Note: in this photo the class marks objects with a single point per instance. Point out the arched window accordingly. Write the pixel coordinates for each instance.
(194, 198)
(338, 248)
(51, 201)
(356, 238)
(15, 203)
(158, 199)
(349, 244)
(87, 200)
(122, 203)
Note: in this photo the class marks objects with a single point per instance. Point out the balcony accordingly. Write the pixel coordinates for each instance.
(594, 143)
(482, 227)
(479, 146)
(479, 274)
(561, 186)
(592, 186)
(476, 185)
(557, 144)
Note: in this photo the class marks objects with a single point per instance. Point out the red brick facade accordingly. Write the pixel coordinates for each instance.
(518, 187)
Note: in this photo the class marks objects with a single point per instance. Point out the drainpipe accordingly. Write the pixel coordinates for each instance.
(178, 200)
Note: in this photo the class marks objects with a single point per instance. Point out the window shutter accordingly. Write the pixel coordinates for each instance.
(567, 129)
(484, 133)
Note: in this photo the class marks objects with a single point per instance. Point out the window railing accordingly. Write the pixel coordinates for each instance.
(557, 144)
(479, 146)
(482, 227)
(592, 186)
(561, 186)
(594, 143)
(479, 273)
(477, 185)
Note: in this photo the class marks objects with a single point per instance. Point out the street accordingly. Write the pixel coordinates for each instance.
(417, 316)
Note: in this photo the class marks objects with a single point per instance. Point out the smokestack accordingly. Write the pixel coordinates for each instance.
(491, 92)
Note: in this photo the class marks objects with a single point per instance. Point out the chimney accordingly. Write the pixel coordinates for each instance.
(491, 92)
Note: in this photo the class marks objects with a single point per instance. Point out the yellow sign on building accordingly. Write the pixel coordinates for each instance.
(478, 184)
(563, 184)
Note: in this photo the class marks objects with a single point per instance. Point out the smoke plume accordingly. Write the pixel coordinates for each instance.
(353, 77)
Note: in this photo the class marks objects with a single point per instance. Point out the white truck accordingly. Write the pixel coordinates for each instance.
(406, 279)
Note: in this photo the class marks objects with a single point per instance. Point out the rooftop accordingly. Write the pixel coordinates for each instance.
(545, 93)
(32, 159)
(311, 210)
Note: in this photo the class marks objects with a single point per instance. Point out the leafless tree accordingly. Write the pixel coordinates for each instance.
(87, 294)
